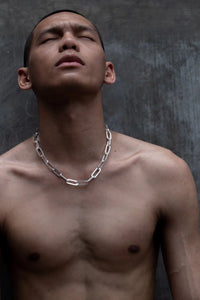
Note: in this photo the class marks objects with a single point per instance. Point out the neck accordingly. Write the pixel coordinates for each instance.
(72, 131)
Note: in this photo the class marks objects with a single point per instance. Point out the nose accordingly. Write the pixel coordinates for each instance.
(68, 42)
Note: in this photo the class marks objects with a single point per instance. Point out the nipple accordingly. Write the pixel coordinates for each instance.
(133, 249)
(34, 256)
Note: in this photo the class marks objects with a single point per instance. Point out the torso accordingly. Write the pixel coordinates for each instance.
(95, 242)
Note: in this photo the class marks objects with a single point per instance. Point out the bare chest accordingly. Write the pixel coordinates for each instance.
(111, 228)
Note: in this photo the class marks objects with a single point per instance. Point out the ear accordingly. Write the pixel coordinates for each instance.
(24, 79)
(109, 73)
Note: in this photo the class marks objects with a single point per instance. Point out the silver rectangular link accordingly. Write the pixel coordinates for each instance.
(100, 165)
(107, 149)
(104, 157)
(90, 179)
(63, 177)
(35, 138)
(96, 172)
(39, 151)
(83, 182)
(72, 182)
(49, 165)
(108, 134)
(56, 172)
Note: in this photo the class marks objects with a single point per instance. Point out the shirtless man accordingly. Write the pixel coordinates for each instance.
(73, 236)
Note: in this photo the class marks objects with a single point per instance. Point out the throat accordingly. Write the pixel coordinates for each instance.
(58, 173)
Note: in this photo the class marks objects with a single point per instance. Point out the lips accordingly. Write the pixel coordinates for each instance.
(70, 59)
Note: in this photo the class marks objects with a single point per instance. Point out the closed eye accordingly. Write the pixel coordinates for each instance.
(86, 37)
(48, 39)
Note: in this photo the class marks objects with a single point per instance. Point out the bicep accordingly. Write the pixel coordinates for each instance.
(181, 252)
(181, 240)
(1, 265)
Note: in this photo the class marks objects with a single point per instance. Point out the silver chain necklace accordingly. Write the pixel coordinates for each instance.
(58, 173)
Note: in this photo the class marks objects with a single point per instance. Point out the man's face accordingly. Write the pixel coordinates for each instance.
(66, 52)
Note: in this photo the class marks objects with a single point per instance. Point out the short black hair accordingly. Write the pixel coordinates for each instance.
(29, 40)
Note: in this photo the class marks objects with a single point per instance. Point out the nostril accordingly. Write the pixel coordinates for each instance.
(65, 47)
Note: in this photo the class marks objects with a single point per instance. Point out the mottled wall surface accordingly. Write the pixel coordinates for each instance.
(155, 46)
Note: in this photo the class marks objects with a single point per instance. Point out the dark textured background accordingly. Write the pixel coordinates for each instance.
(155, 46)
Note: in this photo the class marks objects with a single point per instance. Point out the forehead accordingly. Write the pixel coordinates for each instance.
(66, 19)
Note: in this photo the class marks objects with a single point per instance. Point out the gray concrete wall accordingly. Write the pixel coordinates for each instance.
(155, 46)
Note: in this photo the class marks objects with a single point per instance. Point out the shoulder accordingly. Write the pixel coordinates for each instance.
(19, 153)
(16, 165)
(153, 158)
(162, 170)
(15, 161)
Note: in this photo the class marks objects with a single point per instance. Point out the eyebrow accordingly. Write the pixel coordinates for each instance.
(58, 29)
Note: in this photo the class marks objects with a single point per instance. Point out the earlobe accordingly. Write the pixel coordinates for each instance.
(109, 73)
(24, 79)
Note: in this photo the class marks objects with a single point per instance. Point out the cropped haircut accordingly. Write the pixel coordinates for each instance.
(29, 40)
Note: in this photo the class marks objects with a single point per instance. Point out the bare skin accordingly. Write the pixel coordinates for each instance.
(99, 241)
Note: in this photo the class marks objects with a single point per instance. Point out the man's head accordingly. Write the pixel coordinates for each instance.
(28, 43)
(64, 53)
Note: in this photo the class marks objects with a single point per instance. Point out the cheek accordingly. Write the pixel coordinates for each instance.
(99, 65)
(39, 66)
(40, 57)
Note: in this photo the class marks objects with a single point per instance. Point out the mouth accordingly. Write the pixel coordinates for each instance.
(69, 60)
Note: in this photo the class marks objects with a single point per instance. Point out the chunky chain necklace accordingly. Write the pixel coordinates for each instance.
(58, 173)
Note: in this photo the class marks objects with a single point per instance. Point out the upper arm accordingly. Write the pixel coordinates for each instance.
(1, 265)
(180, 233)
(0, 272)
